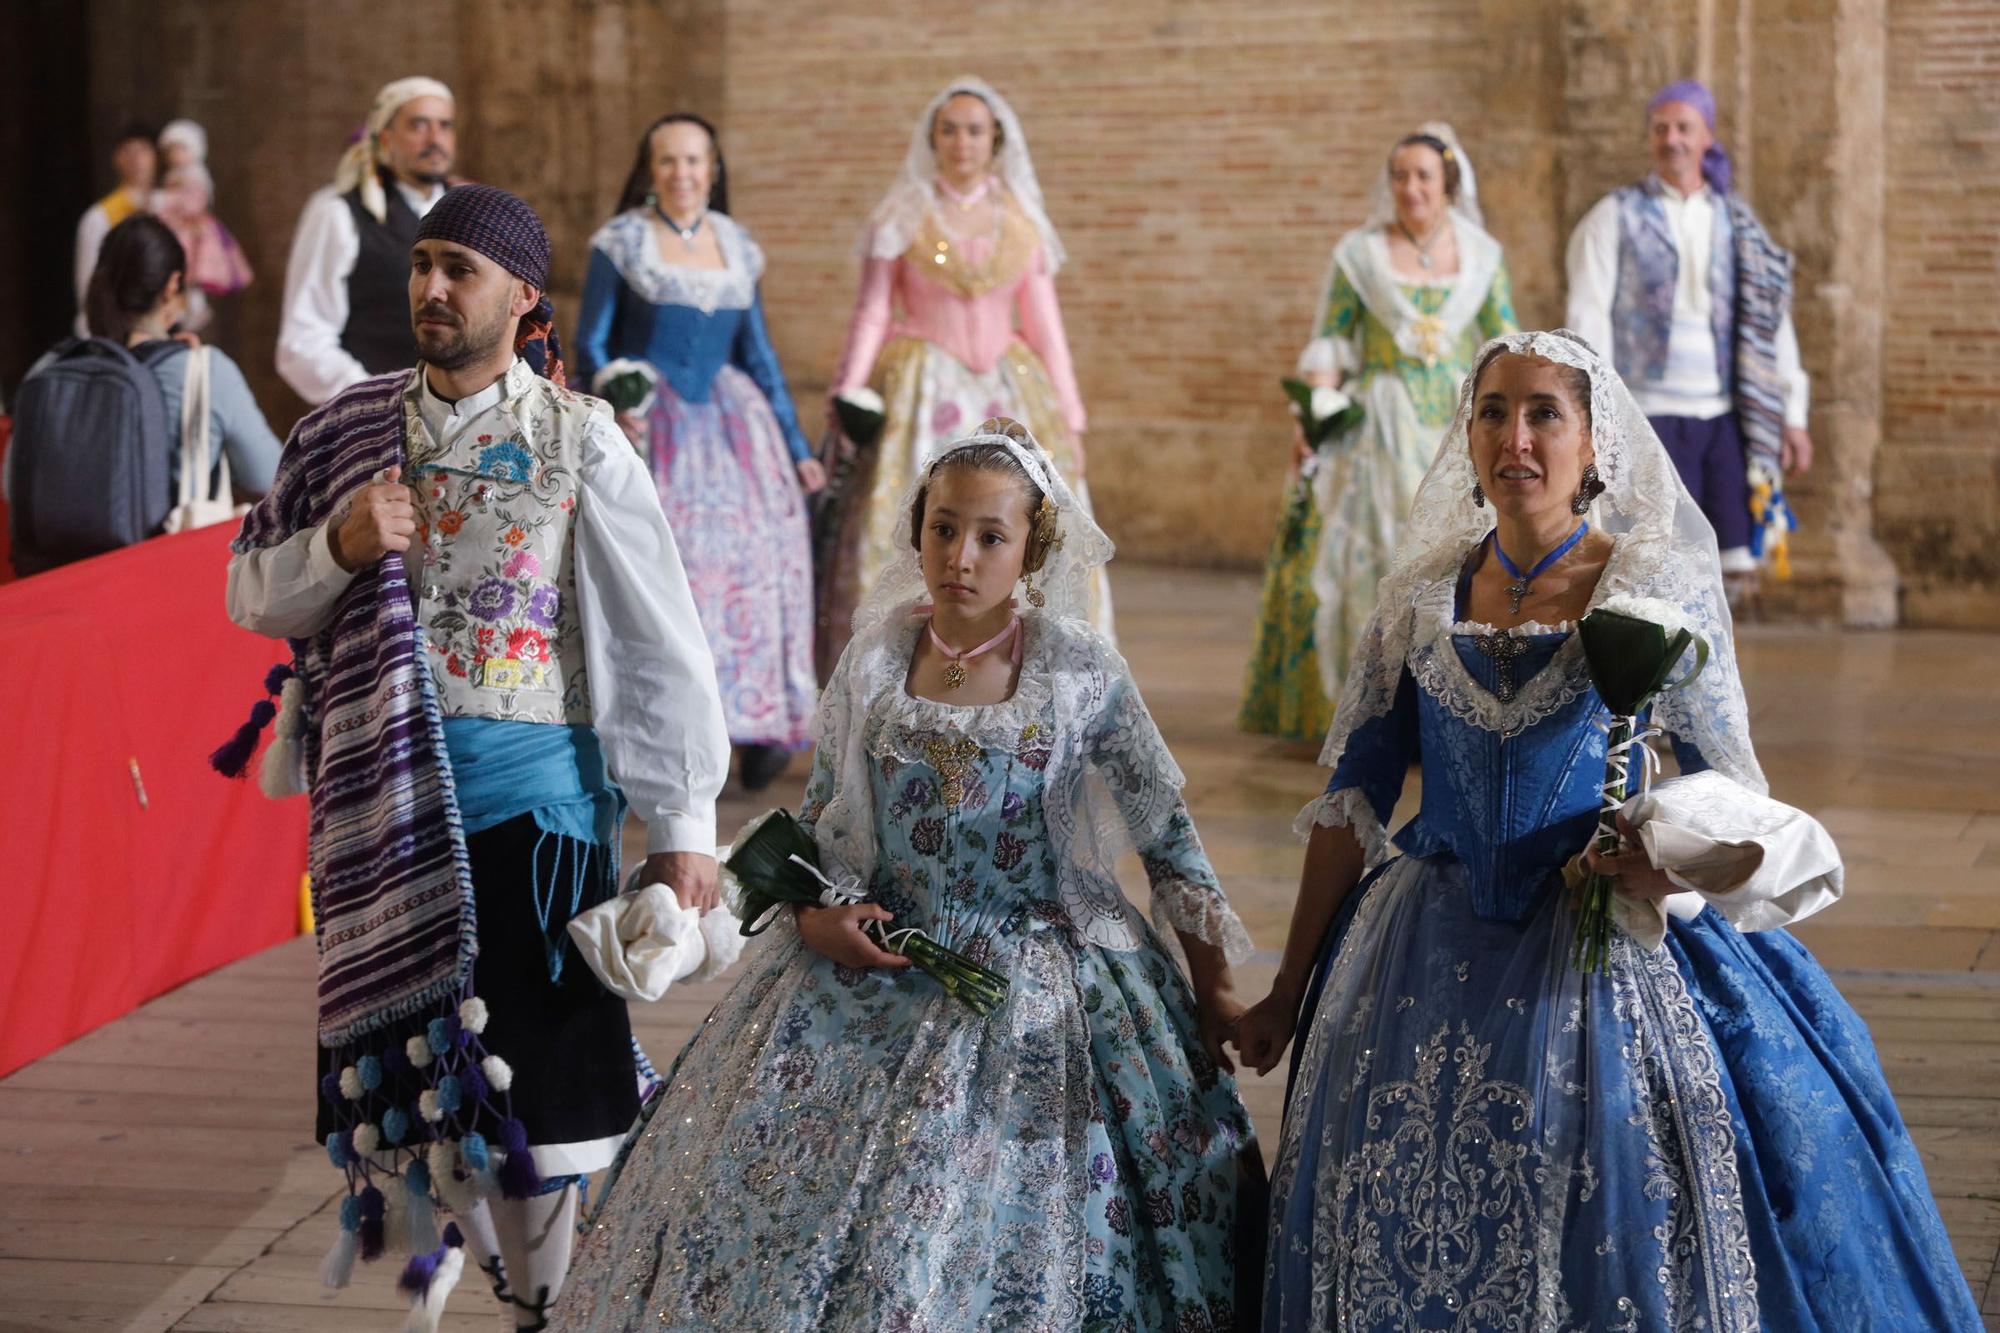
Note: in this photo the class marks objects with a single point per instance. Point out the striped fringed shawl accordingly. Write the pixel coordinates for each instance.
(1763, 298)
(392, 890)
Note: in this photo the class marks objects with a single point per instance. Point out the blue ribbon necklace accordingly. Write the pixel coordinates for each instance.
(1519, 587)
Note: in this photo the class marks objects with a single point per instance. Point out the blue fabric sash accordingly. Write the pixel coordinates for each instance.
(554, 772)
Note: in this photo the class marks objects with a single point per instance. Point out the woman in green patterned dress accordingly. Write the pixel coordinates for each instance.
(1408, 300)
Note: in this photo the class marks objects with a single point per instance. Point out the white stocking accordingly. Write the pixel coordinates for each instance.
(483, 1245)
(535, 1240)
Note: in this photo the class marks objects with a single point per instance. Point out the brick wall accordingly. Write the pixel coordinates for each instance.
(1938, 483)
(1200, 160)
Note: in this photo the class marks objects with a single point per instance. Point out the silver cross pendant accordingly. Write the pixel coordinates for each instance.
(1503, 648)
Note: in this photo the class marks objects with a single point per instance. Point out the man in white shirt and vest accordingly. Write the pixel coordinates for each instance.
(1678, 283)
(346, 314)
(494, 650)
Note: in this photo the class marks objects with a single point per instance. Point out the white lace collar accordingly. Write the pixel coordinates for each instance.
(996, 726)
(628, 242)
(1441, 672)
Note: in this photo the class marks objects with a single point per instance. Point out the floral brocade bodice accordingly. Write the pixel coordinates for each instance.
(987, 824)
(1433, 385)
(492, 563)
(965, 847)
(1511, 737)
(1512, 808)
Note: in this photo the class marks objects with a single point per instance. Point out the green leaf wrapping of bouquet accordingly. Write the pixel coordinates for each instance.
(1630, 658)
(762, 864)
(858, 423)
(625, 392)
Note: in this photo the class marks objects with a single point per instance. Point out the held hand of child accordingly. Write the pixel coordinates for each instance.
(1263, 1032)
(1217, 1012)
(837, 932)
(380, 518)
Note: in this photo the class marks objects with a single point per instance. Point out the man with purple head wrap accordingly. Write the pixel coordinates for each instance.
(490, 625)
(1678, 282)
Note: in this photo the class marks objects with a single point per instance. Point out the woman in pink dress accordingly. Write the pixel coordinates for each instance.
(956, 322)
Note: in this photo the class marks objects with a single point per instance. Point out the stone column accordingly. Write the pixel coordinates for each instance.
(1817, 120)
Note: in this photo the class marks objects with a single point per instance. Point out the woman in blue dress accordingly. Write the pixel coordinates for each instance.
(1478, 1136)
(673, 284)
(843, 1146)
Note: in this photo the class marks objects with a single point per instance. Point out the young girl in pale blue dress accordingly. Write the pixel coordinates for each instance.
(843, 1145)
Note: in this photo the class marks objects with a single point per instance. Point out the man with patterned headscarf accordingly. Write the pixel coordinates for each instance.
(490, 625)
(1676, 281)
(345, 315)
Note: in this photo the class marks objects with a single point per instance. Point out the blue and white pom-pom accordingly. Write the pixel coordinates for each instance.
(283, 771)
(338, 1266)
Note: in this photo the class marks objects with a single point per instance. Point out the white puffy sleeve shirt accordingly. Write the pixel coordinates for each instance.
(653, 693)
(1592, 263)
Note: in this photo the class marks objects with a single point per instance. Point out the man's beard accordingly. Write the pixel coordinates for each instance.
(423, 169)
(461, 345)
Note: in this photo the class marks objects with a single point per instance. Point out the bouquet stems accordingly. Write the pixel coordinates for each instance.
(978, 988)
(1591, 946)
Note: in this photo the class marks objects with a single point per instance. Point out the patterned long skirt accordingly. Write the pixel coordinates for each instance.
(930, 399)
(732, 496)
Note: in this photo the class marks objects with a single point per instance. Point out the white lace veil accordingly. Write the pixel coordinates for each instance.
(1382, 199)
(1478, 253)
(1664, 549)
(1063, 583)
(1111, 783)
(895, 220)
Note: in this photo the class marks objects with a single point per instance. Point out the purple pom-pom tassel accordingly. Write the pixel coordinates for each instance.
(417, 1274)
(518, 1177)
(453, 1237)
(234, 755)
(371, 1223)
(473, 1081)
(329, 1088)
(275, 678)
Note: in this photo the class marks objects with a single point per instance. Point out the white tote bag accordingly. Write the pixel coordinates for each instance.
(193, 509)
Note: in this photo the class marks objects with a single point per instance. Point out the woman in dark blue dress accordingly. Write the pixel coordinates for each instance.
(1478, 1136)
(673, 285)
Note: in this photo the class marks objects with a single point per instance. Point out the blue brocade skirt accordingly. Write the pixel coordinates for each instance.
(1479, 1138)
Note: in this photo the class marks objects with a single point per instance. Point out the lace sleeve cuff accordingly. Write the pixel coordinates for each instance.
(1327, 356)
(1182, 906)
(1346, 808)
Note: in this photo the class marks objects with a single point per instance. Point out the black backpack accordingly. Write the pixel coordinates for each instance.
(91, 455)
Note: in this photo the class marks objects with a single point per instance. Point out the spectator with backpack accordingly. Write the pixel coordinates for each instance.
(113, 433)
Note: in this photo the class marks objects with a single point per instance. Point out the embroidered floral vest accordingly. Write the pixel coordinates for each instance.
(492, 567)
(1642, 308)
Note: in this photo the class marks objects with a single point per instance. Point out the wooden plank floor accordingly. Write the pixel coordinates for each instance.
(159, 1172)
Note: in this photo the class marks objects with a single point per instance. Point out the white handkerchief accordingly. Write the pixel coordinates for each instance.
(1760, 862)
(641, 942)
